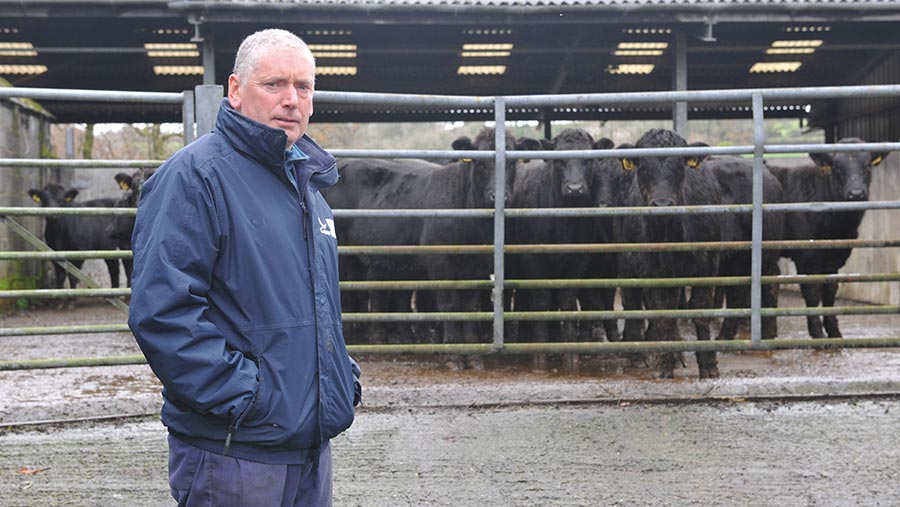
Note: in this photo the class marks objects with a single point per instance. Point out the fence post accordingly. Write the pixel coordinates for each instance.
(206, 104)
(499, 216)
(187, 116)
(759, 140)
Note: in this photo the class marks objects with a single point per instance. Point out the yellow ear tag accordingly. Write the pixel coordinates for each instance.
(693, 162)
(628, 164)
(466, 160)
(877, 160)
(124, 186)
(36, 199)
(825, 170)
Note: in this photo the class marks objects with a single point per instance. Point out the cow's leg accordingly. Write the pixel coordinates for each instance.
(541, 300)
(568, 302)
(732, 297)
(426, 332)
(587, 298)
(829, 291)
(634, 328)
(812, 294)
(770, 298)
(610, 326)
(60, 273)
(702, 298)
(399, 332)
(128, 265)
(112, 265)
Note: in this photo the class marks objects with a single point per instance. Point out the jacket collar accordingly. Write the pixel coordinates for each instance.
(266, 144)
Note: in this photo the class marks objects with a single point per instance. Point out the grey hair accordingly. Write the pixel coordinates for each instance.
(253, 46)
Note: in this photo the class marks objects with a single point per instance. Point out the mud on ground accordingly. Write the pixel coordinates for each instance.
(769, 432)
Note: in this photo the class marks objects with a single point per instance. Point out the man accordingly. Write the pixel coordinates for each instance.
(235, 297)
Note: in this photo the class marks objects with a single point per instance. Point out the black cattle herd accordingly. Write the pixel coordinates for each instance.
(655, 181)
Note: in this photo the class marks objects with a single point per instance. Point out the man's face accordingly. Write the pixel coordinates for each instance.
(279, 92)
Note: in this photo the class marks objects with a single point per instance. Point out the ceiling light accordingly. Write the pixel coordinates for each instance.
(173, 54)
(630, 68)
(336, 71)
(487, 47)
(332, 47)
(167, 46)
(334, 54)
(790, 51)
(481, 70)
(797, 43)
(484, 54)
(178, 70)
(23, 69)
(643, 45)
(17, 49)
(638, 52)
(775, 67)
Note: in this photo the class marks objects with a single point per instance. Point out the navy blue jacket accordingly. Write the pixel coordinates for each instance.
(235, 299)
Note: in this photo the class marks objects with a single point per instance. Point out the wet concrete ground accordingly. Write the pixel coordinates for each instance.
(769, 432)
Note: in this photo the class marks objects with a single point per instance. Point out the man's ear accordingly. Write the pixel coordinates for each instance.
(234, 92)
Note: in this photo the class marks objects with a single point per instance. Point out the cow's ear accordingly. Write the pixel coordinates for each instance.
(878, 157)
(695, 160)
(71, 195)
(546, 145)
(462, 143)
(529, 144)
(604, 143)
(36, 195)
(824, 161)
(125, 182)
(628, 164)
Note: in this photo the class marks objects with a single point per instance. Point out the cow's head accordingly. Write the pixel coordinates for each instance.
(849, 172)
(605, 176)
(482, 170)
(572, 176)
(660, 179)
(53, 196)
(121, 226)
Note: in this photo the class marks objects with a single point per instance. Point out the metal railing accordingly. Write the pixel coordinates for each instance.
(206, 96)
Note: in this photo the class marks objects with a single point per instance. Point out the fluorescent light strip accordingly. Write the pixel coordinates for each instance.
(643, 45)
(631, 68)
(336, 71)
(16, 45)
(178, 70)
(18, 53)
(334, 54)
(638, 52)
(790, 51)
(488, 47)
(481, 70)
(332, 47)
(484, 54)
(166, 46)
(23, 69)
(173, 54)
(797, 43)
(762, 67)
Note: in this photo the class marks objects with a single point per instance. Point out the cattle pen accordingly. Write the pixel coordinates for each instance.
(200, 107)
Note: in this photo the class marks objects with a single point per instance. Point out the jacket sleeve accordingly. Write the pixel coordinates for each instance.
(175, 244)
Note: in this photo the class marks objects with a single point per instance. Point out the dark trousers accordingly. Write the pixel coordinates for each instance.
(202, 478)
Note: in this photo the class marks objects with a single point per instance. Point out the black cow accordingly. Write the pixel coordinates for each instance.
(121, 226)
(836, 176)
(461, 184)
(553, 184)
(735, 176)
(70, 232)
(378, 184)
(669, 181)
(606, 181)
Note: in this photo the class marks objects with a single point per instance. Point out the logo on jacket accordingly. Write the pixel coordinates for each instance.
(326, 227)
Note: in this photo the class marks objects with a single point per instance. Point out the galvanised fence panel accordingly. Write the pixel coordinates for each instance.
(498, 284)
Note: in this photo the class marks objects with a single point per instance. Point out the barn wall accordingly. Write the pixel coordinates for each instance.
(876, 120)
(24, 133)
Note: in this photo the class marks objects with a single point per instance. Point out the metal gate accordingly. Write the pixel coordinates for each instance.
(203, 104)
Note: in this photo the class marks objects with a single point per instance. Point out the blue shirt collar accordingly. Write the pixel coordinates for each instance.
(290, 156)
